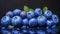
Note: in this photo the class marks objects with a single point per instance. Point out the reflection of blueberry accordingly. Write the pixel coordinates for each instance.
(25, 21)
(25, 31)
(16, 12)
(55, 19)
(32, 22)
(40, 32)
(48, 30)
(16, 20)
(5, 31)
(41, 20)
(48, 13)
(30, 14)
(49, 23)
(38, 12)
(54, 30)
(5, 21)
(15, 32)
(23, 14)
(9, 13)
(32, 32)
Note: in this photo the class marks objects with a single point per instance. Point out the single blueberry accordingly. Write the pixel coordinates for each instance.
(33, 22)
(9, 13)
(23, 14)
(41, 20)
(25, 21)
(38, 12)
(16, 20)
(55, 19)
(16, 12)
(30, 14)
(5, 21)
(48, 13)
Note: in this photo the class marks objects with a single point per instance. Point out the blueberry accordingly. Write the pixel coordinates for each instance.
(25, 21)
(55, 19)
(23, 14)
(33, 22)
(49, 23)
(38, 12)
(41, 32)
(16, 12)
(5, 21)
(48, 13)
(16, 20)
(41, 20)
(9, 13)
(30, 14)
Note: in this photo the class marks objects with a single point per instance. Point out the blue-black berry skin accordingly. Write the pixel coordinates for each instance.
(38, 12)
(48, 13)
(41, 20)
(5, 21)
(16, 12)
(16, 20)
(30, 14)
(33, 22)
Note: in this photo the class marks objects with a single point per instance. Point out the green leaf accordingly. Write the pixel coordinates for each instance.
(45, 8)
(26, 8)
(31, 10)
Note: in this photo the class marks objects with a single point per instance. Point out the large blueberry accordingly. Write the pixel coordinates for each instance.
(30, 14)
(33, 22)
(38, 12)
(48, 13)
(41, 20)
(9, 13)
(16, 20)
(16, 12)
(5, 21)
(55, 19)
(23, 14)
(25, 21)
(49, 23)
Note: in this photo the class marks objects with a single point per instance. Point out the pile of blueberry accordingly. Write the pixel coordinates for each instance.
(30, 22)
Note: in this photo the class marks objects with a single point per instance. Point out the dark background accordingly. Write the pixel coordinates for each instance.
(6, 5)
